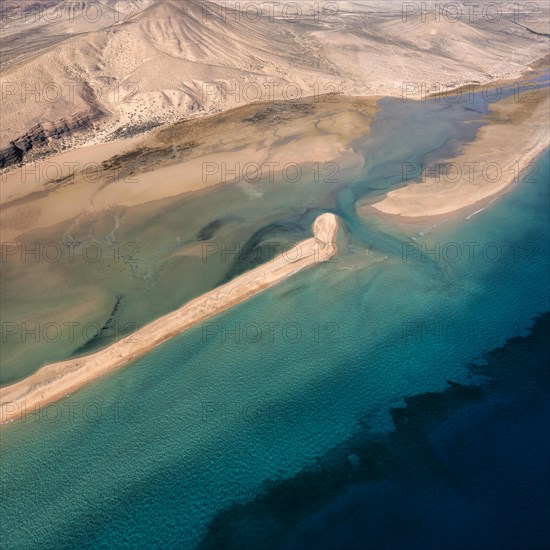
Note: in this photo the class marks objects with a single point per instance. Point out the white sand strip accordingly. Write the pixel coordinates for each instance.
(510, 143)
(54, 381)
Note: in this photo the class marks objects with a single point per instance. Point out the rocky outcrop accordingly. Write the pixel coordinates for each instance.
(34, 142)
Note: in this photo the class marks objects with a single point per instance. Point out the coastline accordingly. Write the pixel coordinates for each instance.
(188, 157)
(91, 139)
(54, 381)
(436, 196)
(119, 205)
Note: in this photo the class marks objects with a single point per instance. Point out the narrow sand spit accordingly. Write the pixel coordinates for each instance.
(52, 382)
(502, 154)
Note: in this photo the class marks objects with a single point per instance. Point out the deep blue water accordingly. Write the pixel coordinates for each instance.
(475, 474)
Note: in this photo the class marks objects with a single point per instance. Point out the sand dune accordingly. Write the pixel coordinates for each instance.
(54, 381)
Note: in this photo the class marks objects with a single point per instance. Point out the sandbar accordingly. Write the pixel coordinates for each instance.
(54, 381)
(502, 154)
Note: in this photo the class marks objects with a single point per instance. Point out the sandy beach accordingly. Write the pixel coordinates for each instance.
(501, 155)
(54, 381)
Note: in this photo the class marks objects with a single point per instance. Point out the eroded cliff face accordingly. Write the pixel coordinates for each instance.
(48, 136)
(43, 138)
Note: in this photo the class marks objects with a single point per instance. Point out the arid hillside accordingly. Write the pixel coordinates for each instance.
(75, 72)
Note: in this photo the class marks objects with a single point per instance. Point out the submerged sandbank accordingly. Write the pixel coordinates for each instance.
(53, 382)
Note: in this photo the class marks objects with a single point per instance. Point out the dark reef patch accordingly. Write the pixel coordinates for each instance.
(467, 467)
(208, 231)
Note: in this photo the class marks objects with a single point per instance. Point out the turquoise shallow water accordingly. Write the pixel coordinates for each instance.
(148, 455)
